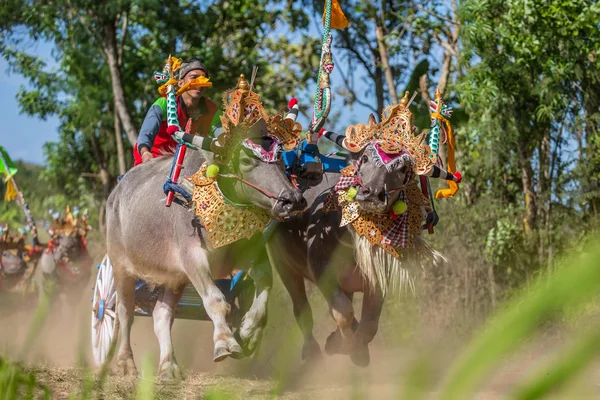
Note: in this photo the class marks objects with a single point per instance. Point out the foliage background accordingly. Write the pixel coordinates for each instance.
(522, 75)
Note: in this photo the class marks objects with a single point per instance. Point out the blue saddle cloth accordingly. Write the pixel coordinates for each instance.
(307, 153)
(229, 287)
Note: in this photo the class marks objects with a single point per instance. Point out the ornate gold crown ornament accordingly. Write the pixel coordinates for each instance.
(245, 117)
(395, 135)
(73, 221)
(8, 242)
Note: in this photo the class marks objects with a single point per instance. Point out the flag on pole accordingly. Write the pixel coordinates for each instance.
(338, 19)
(7, 170)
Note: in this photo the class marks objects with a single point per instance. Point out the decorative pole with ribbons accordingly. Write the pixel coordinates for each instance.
(167, 79)
(8, 169)
(333, 18)
(440, 113)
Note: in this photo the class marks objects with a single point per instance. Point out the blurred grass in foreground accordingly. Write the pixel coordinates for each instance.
(571, 288)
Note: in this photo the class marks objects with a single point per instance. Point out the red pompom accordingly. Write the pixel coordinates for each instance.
(458, 176)
(321, 132)
(172, 129)
(293, 101)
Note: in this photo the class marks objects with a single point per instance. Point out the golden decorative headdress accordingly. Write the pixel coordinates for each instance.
(285, 130)
(73, 221)
(395, 135)
(8, 242)
(244, 117)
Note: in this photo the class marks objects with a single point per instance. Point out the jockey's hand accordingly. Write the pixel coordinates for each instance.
(146, 155)
(431, 219)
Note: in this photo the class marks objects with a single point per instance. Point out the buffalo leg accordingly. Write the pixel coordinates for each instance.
(125, 286)
(163, 316)
(302, 311)
(255, 320)
(367, 328)
(214, 302)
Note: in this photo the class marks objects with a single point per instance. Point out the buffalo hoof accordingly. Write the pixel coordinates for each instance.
(311, 351)
(170, 372)
(221, 353)
(236, 351)
(229, 348)
(335, 344)
(360, 356)
(126, 366)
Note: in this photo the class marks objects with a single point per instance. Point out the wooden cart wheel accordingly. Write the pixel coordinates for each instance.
(104, 311)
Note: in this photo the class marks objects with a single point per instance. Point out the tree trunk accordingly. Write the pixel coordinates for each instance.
(543, 193)
(119, 141)
(530, 219)
(379, 92)
(591, 105)
(385, 65)
(110, 50)
(445, 73)
(425, 91)
(492, 283)
(451, 50)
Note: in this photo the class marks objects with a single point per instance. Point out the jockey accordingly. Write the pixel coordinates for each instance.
(154, 139)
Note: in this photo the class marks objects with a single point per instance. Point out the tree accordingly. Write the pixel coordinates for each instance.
(521, 90)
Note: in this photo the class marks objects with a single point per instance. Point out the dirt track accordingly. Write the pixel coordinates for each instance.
(333, 379)
(63, 347)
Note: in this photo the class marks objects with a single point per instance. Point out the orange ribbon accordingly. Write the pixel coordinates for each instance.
(452, 186)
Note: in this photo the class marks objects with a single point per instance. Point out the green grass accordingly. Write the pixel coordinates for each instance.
(16, 383)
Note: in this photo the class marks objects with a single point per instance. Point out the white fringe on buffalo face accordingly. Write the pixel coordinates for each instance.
(383, 270)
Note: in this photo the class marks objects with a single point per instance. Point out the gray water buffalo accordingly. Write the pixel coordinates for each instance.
(170, 247)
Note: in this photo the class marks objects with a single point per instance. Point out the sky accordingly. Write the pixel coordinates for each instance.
(23, 136)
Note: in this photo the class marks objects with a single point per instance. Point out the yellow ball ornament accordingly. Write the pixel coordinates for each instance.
(212, 171)
(399, 207)
(351, 194)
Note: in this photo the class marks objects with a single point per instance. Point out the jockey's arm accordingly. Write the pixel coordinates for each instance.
(151, 126)
(204, 143)
(216, 127)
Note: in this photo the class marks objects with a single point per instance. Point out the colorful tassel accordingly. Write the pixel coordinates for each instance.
(11, 191)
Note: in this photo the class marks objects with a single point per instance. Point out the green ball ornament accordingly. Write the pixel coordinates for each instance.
(212, 171)
(351, 194)
(399, 207)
